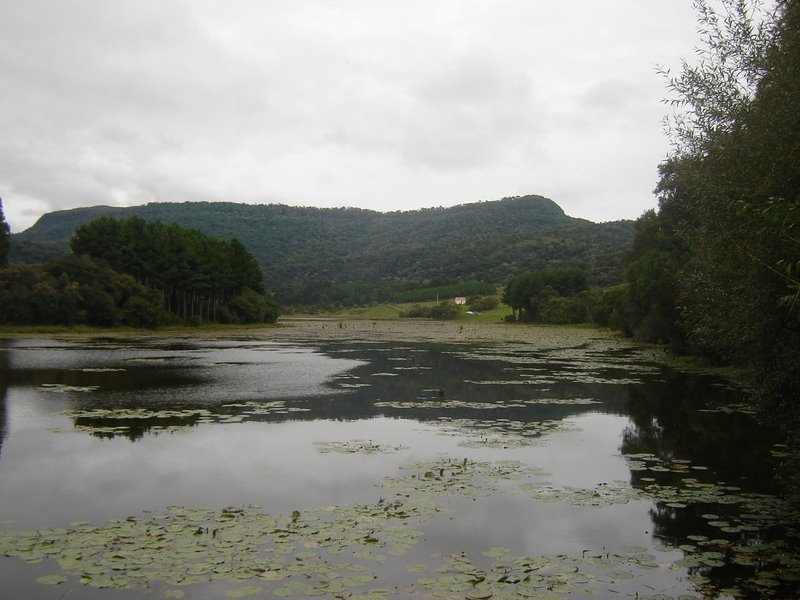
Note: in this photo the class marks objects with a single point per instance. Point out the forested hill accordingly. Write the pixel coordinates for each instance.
(489, 241)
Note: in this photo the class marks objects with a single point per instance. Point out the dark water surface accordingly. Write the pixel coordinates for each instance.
(206, 469)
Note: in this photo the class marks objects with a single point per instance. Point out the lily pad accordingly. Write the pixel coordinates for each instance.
(51, 579)
(358, 447)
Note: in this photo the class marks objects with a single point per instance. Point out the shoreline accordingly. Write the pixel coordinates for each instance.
(308, 330)
(332, 329)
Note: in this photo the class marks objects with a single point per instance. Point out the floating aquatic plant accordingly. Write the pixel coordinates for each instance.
(121, 421)
(272, 407)
(186, 546)
(446, 404)
(551, 576)
(498, 405)
(337, 551)
(561, 401)
(603, 494)
(732, 408)
(500, 433)
(61, 388)
(358, 447)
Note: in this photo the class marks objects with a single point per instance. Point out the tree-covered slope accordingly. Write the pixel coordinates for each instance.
(489, 241)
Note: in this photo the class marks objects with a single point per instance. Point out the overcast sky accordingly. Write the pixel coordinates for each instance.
(389, 105)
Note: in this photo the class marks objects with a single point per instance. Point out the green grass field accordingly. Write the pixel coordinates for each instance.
(392, 311)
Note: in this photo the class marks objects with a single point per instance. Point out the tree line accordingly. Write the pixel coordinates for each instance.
(469, 288)
(5, 237)
(314, 257)
(716, 269)
(527, 294)
(137, 273)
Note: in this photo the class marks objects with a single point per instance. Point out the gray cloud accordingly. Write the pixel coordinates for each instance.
(385, 105)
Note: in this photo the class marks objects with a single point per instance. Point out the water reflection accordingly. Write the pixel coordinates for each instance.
(709, 456)
(3, 394)
(232, 423)
(118, 390)
(676, 422)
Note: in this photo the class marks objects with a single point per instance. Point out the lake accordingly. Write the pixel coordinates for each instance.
(355, 466)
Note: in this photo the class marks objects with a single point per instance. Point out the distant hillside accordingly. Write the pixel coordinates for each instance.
(487, 241)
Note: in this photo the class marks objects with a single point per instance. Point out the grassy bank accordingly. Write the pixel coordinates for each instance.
(388, 311)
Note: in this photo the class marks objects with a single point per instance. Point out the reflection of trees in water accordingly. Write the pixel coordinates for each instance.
(3, 395)
(674, 525)
(668, 421)
(407, 374)
(132, 429)
(456, 377)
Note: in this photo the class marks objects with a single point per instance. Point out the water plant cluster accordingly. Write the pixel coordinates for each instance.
(124, 421)
(333, 551)
(709, 536)
(358, 447)
(338, 551)
(499, 433)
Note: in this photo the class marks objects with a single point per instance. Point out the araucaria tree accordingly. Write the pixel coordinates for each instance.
(729, 196)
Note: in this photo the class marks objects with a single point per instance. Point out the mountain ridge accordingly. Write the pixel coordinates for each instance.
(490, 240)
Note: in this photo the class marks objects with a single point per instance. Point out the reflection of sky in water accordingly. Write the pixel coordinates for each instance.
(184, 372)
(73, 476)
(588, 455)
(50, 479)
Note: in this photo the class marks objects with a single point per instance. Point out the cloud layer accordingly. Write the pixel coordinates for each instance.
(383, 105)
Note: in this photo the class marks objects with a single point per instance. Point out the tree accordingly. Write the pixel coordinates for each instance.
(251, 307)
(445, 311)
(75, 290)
(710, 97)
(482, 303)
(526, 294)
(5, 237)
(655, 265)
(733, 181)
(197, 275)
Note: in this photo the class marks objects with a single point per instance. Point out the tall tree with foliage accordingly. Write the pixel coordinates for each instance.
(76, 290)
(732, 188)
(655, 262)
(527, 294)
(200, 277)
(5, 237)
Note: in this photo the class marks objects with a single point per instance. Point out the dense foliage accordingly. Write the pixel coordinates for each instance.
(470, 288)
(129, 272)
(199, 277)
(32, 253)
(657, 257)
(482, 303)
(717, 268)
(5, 235)
(446, 310)
(325, 294)
(527, 294)
(322, 257)
(76, 290)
